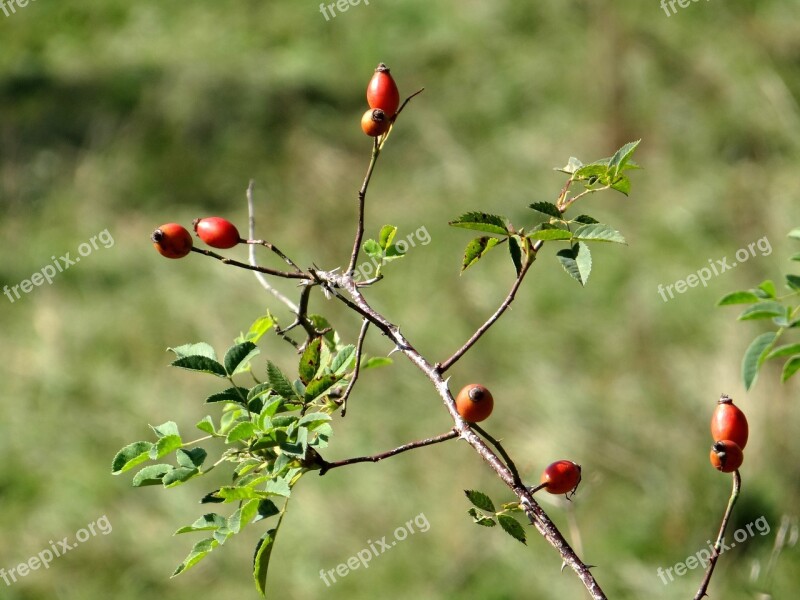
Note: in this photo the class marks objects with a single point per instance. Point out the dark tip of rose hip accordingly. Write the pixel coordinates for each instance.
(157, 236)
(476, 394)
(382, 68)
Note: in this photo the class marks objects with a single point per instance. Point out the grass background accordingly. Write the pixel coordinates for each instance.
(122, 116)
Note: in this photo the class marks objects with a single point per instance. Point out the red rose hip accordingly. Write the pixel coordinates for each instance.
(561, 477)
(172, 240)
(382, 91)
(217, 232)
(729, 423)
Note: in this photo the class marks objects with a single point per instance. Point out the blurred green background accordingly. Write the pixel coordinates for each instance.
(123, 116)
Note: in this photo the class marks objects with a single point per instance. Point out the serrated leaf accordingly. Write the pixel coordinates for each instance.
(207, 425)
(243, 515)
(233, 493)
(622, 184)
(130, 456)
(516, 253)
(480, 519)
(786, 350)
(480, 500)
(261, 559)
(386, 236)
(200, 550)
(592, 171)
(179, 476)
(233, 394)
(373, 249)
(343, 360)
(548, 232)
(768, 287)
(309, 361)
(512, 527)
(394, 252)
(754, 357)
(319, 386)
(762, 310)
(790, 368)
(476, 250)
(237, 358)
(577, 261)
(200, 364)
(547, 209)
(297, 447)
(313, 420)
(165, 445)
(597, 232)
(151, 475)
(207, 522)
(211, 498)
(585, 219)
(793, 282)
(278, 487)
(242, 431)
(165, 429)
(621, 157)
(374, 362)
(744, 297)
(200, 349)
(573, 164)
(191, 458)
(259, 327)
(320, 323)
(279, 383)
(479, 221)
(266, 509)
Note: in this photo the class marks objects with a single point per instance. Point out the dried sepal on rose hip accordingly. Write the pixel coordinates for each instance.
(375, 123)
(729, 423)
(726, 456)
(172, 240)
(474, 403)
(382, 91)
(217, 232)
(561, 477)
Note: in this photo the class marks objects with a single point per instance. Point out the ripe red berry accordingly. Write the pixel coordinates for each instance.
(382, 91)
(474, 403)
(217, 232)
(561, 477)
(172, 240)
(375, 122)
(726, 456)
(729, 423)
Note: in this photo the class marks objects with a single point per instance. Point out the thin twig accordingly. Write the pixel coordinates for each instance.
(274, 249)
(712, 562)
(256, 268)
(252, 251)
(327, 466)
(496, 443)
(357, 370)
(362, 195)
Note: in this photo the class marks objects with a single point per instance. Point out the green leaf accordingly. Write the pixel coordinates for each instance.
(191, 458)
(597, 232)
(592, 171)
(547, 209)
(479, 221)
(512, 527)
(261, 559)
(320, 323)
(266, 509)
(165, 445)
(795, 257)
(374, 362)
(476, 250)
(573, 164)
(319, 386)
(243, 515)
(577, 261)
(207, 425)
(179, 476)
(297, 447)
(130, 456)
(790, 368)
(373, 249)
(313, 420)
(259, 327)
(481, 519)
(386, 236)
(480, 500)
(201, 349)
(621, 158)
(237, 358)
(151, 475)
(165, 429)
(234, 493)
(207, 522)
(622, 184)
(762, 310)
(793, 282)
(278, 487)
(343, 360)
(394, 252)
(547, 232)
(738, 298)
(754, 357)
(516, 253)
(200, 550)
(795, 233)
(279, 383)
(768, 287)
(309, 361)
(242, 431)
(234, 394)
(585, 219)
(201, 364)
(786, 350)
